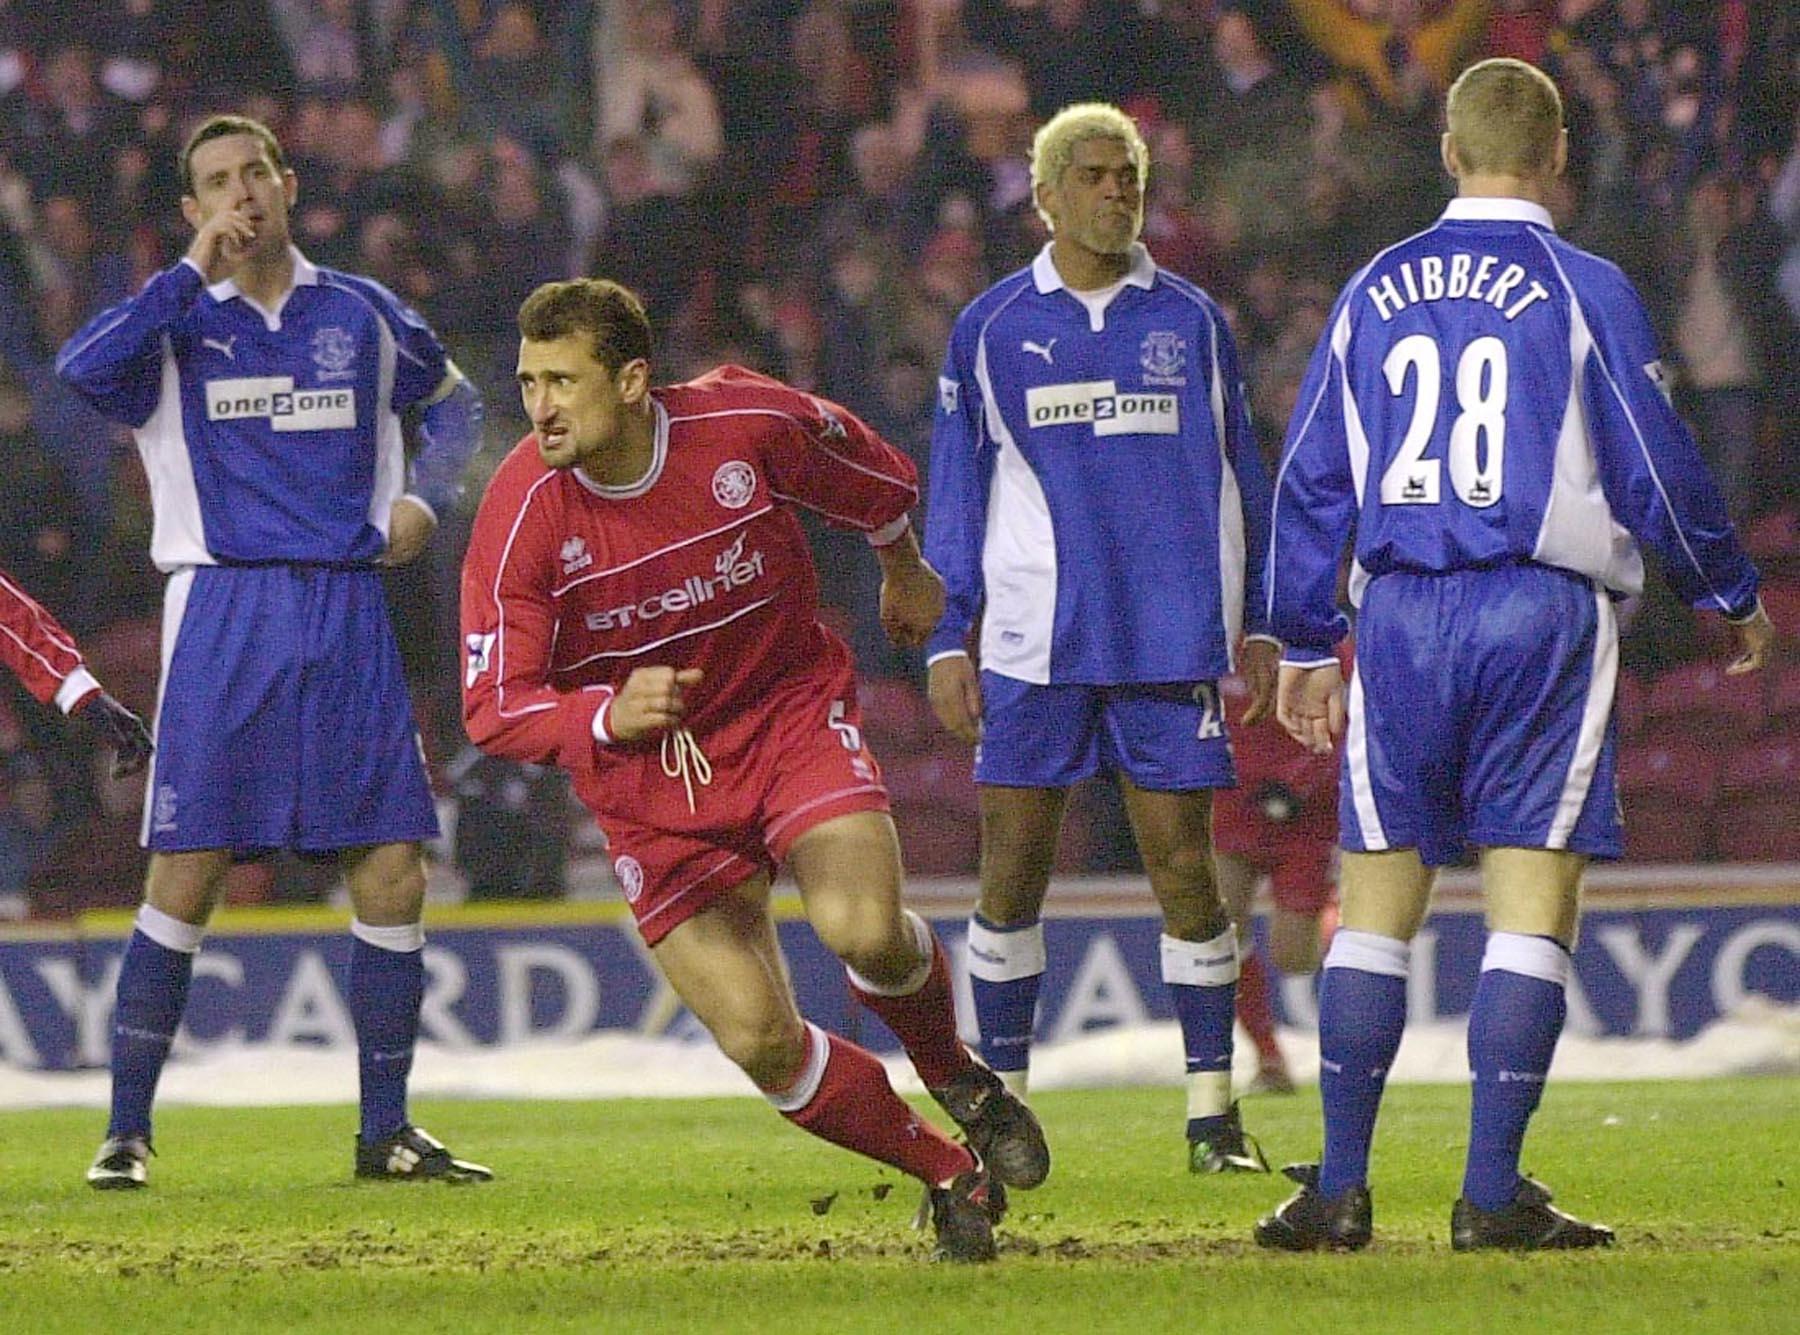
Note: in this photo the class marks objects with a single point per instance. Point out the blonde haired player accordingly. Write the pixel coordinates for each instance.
(1098, 499)
(1486, 412)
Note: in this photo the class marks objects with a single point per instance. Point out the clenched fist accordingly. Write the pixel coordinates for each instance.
(651, 701)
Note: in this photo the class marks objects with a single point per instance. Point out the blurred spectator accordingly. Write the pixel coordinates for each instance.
(322, 43)
(1727, 324)
(1784, 206)
(1071, 50)
(1397, 56)
(651, 91)
(512, 826)
(64, 134)
(512, 80)
(651, 239)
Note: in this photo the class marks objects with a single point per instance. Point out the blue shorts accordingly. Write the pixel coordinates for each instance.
(1480, 712)
(1164, 736)
(284, 720)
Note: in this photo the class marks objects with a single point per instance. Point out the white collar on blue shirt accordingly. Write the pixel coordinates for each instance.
(306, 274)
(1490, 208)
(1141, 273)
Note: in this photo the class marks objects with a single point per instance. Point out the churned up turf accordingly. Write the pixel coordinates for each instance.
(713, 1215)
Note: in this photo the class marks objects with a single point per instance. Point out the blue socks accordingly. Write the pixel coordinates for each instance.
(1202, 980)
(1006, 967)
(387, 980)
(152, 994)
(1514, 1023)
(1362, 1011)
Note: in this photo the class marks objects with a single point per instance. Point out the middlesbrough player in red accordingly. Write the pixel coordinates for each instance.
(1280, 822)
(639, 606)
(45, 659)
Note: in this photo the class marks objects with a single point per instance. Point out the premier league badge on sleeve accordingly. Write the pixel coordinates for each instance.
(481, 655)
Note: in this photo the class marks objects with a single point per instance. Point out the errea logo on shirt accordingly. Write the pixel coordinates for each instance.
(287, 408)
(1099, 403)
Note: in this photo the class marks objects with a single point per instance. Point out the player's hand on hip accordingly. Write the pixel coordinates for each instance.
(410, 526)
(912, 601)
(120, 729)
(651, 701)
(218, 246)
(1309, 703)
(1756, 642)
(955, 694)
(1258, 661)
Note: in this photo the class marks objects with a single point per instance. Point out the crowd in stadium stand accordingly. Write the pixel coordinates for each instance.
(815, 188)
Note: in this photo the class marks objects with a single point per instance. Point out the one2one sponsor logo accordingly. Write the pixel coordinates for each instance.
(1100, 403)
(734, 571)
(286, 408)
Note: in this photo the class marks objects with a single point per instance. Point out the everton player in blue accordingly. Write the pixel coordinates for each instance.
(1098, 504)
(266, 394)
(1487, 414)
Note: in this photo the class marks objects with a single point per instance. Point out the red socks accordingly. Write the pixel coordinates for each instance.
(842, 1095)
(922, 1014)
(1253, 1006)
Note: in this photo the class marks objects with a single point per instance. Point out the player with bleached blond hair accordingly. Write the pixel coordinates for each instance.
(1487, 414)
(1053, 146)
(1098, 504)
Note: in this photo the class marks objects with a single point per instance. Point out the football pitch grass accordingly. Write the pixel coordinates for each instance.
(712, 1215)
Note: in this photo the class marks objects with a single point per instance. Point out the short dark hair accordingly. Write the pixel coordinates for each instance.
(222, 127)
(609, 311)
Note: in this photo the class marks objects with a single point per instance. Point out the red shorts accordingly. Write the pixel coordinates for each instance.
(777, 771)
(1295, 855)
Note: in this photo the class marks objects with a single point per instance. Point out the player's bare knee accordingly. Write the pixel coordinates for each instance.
(1184, 884)
(1387, 893)
(1011, 895)
(186, 886)
(878, 946)
(770, 1052)
(1296, 952)
(387, 885)
(1533, 891)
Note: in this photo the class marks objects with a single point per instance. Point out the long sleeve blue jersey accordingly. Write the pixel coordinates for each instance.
(1486, 393)
(1096, 494)
(268, 436)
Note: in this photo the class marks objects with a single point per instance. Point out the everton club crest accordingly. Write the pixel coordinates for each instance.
(334, 353)
(1163, 355)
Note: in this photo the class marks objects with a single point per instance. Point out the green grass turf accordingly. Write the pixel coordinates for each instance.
(713, 1215)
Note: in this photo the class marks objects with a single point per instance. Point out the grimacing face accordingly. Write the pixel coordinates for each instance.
(1097, 203)
(235, 171)
(576, 405)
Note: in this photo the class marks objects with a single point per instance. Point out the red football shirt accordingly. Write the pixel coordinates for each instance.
(568, 585)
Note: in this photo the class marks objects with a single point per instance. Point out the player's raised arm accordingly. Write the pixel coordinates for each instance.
(508, 625)
(1651, 470)
(1313, 509)
(115, 360)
